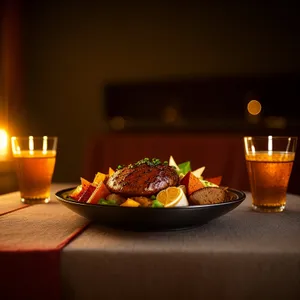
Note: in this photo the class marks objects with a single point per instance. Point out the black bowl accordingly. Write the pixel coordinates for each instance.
(148, 218)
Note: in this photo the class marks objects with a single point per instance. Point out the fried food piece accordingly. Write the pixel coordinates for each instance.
(191, 182)
(209, 195)
(117, 198)
(144, 201)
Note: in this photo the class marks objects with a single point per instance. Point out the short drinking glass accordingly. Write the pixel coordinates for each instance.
(34, 158)
(269, 162)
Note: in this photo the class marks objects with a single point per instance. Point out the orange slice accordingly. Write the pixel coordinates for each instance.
(76, 192)
(172, 196)
(101, 191)
(110, 171)
(130, 203)
(99, 177)
(85, 183)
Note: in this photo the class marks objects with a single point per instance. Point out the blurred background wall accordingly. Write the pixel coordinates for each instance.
(71, 49)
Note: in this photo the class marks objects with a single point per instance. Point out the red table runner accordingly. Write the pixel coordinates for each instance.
(31, 240)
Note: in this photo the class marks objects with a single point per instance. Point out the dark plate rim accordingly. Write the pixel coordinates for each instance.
(239, 193)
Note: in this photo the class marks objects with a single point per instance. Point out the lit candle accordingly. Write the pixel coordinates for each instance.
(3, 144)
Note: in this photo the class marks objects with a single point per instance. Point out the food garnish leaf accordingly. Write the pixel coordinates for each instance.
(184, 168)
(150, 162)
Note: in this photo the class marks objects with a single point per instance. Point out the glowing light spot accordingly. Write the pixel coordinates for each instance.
(254, 107)
(15, 147)
(3, 142)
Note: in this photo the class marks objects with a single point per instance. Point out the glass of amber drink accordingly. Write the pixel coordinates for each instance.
(269, 161)
(34, 158)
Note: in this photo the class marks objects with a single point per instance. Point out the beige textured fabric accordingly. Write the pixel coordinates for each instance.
(38, 227)
(241, 255)
(10, 202)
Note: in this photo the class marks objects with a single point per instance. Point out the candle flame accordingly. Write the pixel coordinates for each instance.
(3, 142)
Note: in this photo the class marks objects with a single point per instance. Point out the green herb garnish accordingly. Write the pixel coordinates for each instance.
(150, 162)
(156, 203)
(107, 202)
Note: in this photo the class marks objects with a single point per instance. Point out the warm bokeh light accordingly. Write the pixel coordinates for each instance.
(275, 122)
(170, 114)
(254, 107)
(3, 142)
(117, 123)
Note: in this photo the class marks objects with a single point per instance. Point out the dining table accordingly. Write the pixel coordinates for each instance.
(48, 251)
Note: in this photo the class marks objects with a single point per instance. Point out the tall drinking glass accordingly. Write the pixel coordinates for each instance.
(269, 162)
(35, 158)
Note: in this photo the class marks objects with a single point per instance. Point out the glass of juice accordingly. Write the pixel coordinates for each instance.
(269, 161)
(34, 158)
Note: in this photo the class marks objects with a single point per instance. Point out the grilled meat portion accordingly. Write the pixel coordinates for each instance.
(142, 180)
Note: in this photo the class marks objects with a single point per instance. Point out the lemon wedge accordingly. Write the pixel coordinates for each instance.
(172, 196)
(183, 187)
